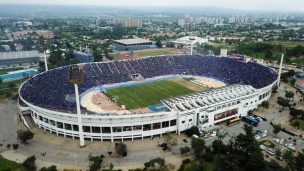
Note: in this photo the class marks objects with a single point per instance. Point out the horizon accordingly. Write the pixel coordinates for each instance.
(268, 5)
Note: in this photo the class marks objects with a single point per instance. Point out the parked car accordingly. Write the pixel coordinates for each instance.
(290, 146)
(278, 141)
(213, 134)
(271, 151)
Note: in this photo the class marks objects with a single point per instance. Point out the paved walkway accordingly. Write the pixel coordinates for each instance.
(65, 152)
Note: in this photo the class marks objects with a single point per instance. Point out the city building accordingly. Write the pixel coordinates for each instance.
(190, 40)
(133, 44)
(20, 58)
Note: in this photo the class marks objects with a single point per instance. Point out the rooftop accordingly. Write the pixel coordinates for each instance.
(133, 41)
(188, 40)
(208, 98)
(19, 54)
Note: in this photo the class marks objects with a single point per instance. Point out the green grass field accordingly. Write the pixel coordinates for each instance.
(6, 91)
(9, 165)
(299, 61)
(154, 53)
(147, 94)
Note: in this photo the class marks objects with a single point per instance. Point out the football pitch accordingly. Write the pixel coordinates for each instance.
(147, 94)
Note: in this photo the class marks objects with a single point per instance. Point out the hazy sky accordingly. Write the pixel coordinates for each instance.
(236, 4)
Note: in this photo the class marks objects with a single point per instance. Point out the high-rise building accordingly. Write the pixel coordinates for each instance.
(132, 22)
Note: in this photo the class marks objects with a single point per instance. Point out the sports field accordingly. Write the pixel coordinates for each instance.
(147, 94)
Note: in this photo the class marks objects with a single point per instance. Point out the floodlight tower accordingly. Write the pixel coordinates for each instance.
(45, 61)
(76, 78)
(191, 51)
(280, 69)
(192, 38)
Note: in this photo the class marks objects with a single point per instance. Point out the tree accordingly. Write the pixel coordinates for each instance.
(184, 150)
(51, 168)
(293, 81)
(296, 112)
(15, 146)
(24, 135)
(30, 164)
(194, 166)
(219, 147)
(106, 53)
(275, 89)
(265, 104)
(170, 139)
(12, 86)
(95, 162)
(268, 54)
(276, 128)
(283, 102)
(97, 56)
(121, 149)
(159, 44)
(296, 124)
(299, 161)
(289, 94)
(192, 131)
(1, 81)
(245, 150)
(198, 145)
(160, 161)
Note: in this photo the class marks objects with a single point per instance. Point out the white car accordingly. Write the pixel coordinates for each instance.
(213, 134)
(278, 141)
(257, 137)
(263, 147)
(290, 146)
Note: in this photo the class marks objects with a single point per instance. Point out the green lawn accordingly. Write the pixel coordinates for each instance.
(299, 61)
(301, 123)
(153, 53)
(267, 143)
(5, 90)
(9, 165)
(147, 94)
(208, 166)
(289, 44)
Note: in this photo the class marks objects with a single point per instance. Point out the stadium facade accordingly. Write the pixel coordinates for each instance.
(43, 97)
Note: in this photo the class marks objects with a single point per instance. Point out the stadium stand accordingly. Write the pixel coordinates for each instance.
(49, 89)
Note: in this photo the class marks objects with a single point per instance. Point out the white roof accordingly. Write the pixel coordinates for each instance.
(188, 40)
(19, 54)
(133, 41)
(208, 98)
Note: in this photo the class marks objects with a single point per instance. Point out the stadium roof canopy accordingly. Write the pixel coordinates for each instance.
(209, 98)
(188, 40)
(18, 55)
(137, 41)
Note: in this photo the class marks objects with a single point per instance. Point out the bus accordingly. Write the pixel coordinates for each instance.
(233, 121)
(250, 120)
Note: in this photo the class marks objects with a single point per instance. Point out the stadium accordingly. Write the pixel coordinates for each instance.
(145, 97)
